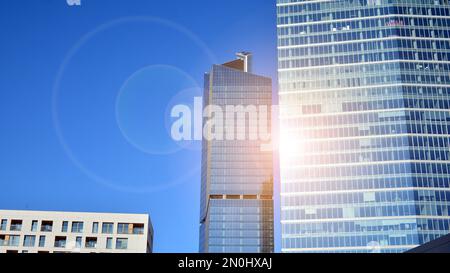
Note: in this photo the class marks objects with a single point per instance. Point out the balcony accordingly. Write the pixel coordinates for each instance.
(91, 242)
(138, 229)
(60, 241)
(3, 224)
(47, 226)
(16, 225)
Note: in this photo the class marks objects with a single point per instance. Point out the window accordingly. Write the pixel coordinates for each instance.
(109, 243)
(65, 226)
(42, 241)
(12, 251)
(121, 243)
(95, 227)
(16, 225)
(29, 240)
(47, 226)
(60, 241)
(34, 225)
(3, 224)
(14, 240)
(77, 227)
(78, 242)
(138, 228)
(122, 228)
(91, 242)
(2, 240)
(369, 197)
(107, 228)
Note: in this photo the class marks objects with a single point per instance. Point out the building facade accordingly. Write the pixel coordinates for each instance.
(440, 245)
(364, 89)
(237, 173)
(74, 232)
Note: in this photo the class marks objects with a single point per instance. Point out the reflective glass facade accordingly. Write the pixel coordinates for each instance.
(237, 176)
(364, 105)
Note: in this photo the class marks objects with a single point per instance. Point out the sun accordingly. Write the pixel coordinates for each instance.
(290, 145)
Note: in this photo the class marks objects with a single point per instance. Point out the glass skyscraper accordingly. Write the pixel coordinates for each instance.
(237, 174)
(365, 120)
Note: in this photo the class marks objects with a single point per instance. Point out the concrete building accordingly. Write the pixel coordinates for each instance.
(72, 232)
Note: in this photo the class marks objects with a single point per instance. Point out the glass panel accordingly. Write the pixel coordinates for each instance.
(107, 228)
(34, 225)
(78, 242)
(42, 241)
(65, 226)
(29, 240)
(109, 243)
(77, 227)
(121, 243)
(3, 224)
(123, 228)
(95, 227)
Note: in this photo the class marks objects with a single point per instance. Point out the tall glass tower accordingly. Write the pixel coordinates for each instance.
(237, 174)
(365, 123)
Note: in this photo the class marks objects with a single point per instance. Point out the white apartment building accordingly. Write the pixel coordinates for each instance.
(74, 232)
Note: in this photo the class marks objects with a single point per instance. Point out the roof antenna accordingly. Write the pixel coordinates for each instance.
(247, 58)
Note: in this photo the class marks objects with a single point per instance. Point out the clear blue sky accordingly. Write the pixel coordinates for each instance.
(84, 99)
